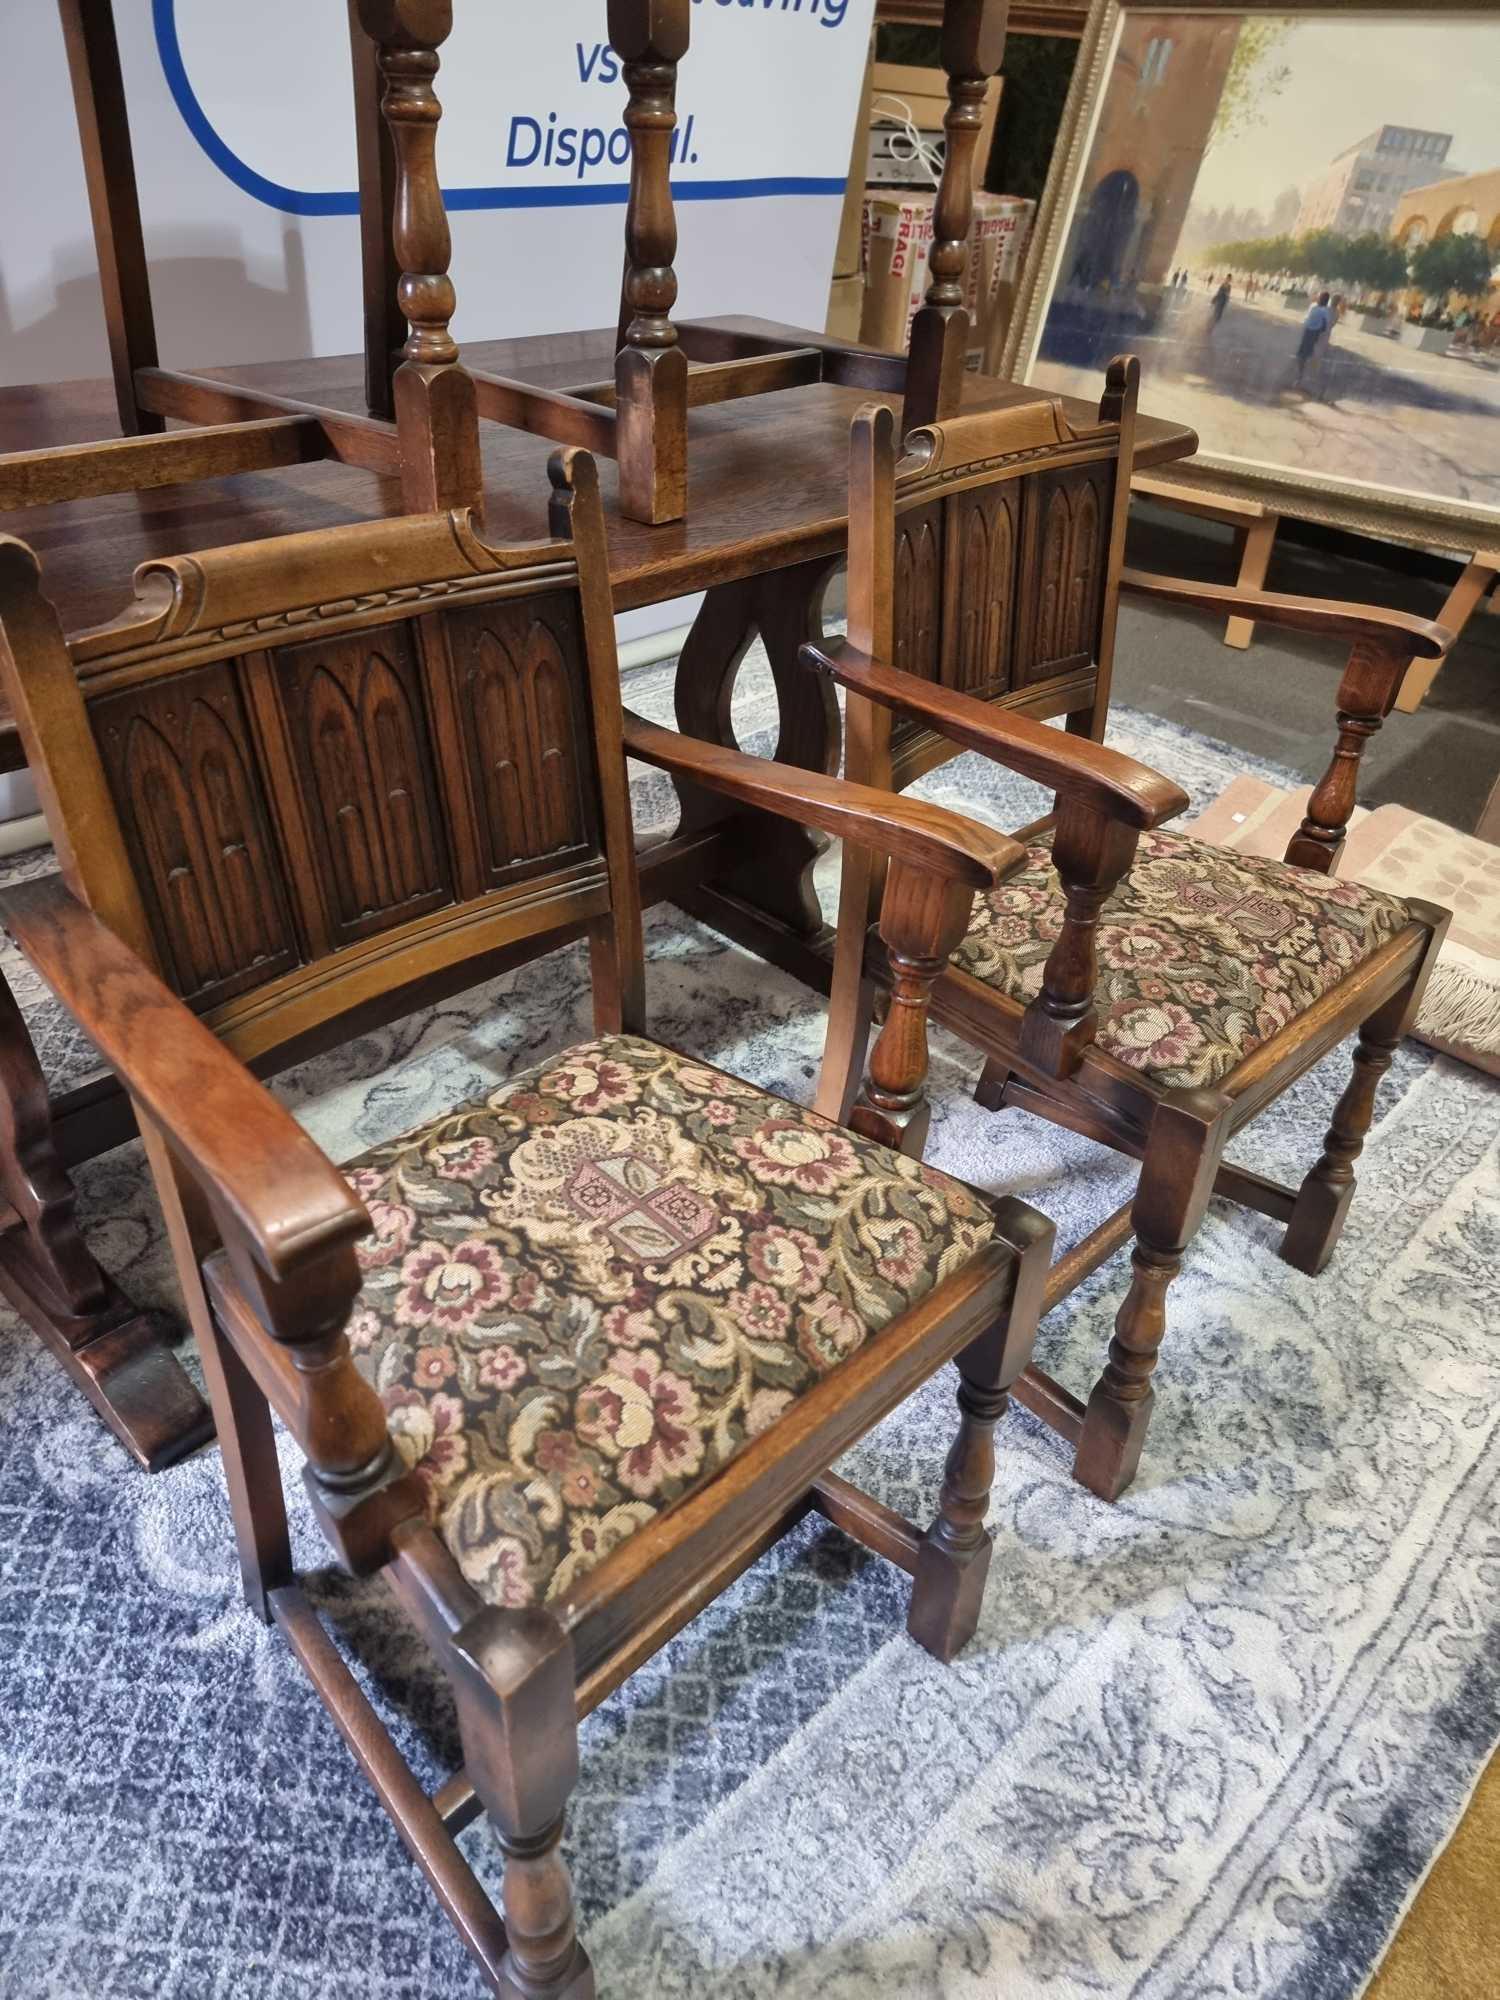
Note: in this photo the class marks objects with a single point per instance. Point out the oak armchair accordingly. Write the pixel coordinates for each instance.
(1127, 982)
(617, 1319)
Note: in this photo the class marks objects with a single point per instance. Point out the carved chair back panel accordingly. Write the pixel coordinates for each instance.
(183, 769)
(367, 785)
(315, 772)
(1001, 585)
(1064, 560)
(518, 688)
(281, 805)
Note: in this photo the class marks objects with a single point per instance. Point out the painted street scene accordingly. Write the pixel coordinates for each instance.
(1301, 241)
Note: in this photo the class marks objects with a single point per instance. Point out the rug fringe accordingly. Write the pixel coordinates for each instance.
(1462, 1004)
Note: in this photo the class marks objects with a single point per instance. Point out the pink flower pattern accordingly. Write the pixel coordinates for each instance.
(1202, 954)
(550, 1400)
(450, 1287)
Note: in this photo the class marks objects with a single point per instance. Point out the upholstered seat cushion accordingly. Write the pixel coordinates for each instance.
(587, 1293)
(1202, 954)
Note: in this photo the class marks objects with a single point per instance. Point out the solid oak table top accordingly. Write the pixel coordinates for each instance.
(767, 479)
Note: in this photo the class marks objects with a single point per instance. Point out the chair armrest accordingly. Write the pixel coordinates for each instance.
(1382, 644)
(1393, 631)
(927, 837)
(1105, 802)
(1074, 767)
(252, 1157)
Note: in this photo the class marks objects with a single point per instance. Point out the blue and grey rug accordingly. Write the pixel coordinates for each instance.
(1204, 1745)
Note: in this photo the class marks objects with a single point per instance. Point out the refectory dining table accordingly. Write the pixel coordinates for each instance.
(765, 529)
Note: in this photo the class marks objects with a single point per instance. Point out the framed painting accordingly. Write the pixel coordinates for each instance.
(1292, 216)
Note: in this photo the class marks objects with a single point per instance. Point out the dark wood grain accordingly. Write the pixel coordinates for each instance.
(1419, 638)
(930, 837)
(137, 464)
(770, 477)
(285, 1196)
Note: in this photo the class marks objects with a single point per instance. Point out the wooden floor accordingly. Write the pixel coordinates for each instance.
(1449, 1946)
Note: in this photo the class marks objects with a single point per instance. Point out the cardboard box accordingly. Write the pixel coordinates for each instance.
(926, 92)
(898, 236)
(898, 243)
(846, 299)
(1008, 254)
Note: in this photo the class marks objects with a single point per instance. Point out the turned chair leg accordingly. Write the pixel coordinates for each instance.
(113, 1352)
(1322, 1204)
(513, 1677)
(1187, 1134)
(953, 1561)
(989, 1092)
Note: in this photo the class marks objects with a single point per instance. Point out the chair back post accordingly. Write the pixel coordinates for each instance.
(1367, 692)
(650, 37)
(1122, 382)
(385, 325)
(114, 202)
(41, 683)
(433, 395)
(617, 955)
(867, 733)
(973, 45)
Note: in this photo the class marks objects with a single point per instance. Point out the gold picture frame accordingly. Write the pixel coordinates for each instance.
(1298, 493)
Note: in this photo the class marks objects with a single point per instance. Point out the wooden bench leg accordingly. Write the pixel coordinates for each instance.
(1463, 600)
(1255, 559)
(765, 899)
(114, 1353)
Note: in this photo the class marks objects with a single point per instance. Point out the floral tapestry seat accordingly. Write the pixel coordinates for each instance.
(1202, 954)
(585, 1294)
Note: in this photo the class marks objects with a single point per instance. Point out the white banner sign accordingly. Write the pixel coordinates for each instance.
(245, 156)
(533, 101)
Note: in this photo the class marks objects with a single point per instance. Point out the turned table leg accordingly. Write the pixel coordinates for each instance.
(112, 1351)
(761, 893)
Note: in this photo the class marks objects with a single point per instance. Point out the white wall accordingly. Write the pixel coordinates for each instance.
(771, 88)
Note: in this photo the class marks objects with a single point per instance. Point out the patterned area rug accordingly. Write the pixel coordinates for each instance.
(1205, 1742)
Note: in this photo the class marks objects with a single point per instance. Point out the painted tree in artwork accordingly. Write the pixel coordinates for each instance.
(1374, 261)
(1253, 80)
(1452, 264)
